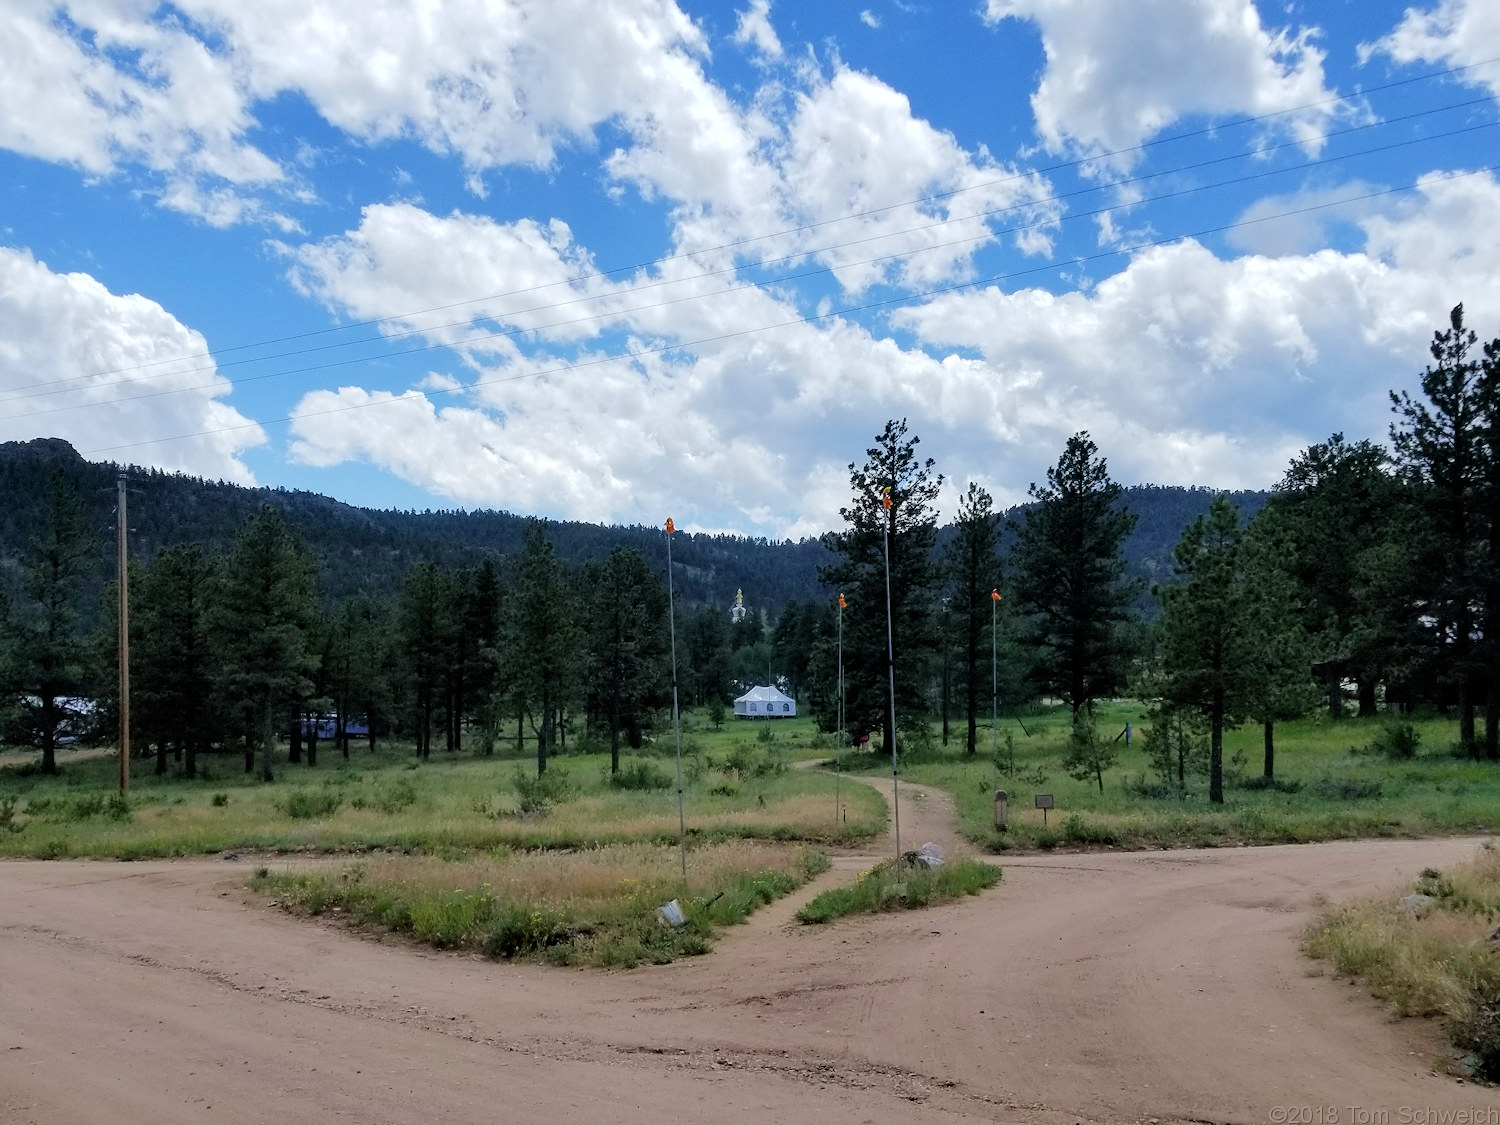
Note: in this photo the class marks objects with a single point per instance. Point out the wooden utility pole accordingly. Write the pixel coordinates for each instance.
(123, 521)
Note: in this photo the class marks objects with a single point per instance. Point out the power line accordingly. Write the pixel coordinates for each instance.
(642, 353)
(989, 234)
(1080, 162)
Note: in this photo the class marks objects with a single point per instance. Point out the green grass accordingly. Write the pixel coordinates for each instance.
(596, 906)
(737, 786)
(1340, 790)
(1434, 959)
(900, 886)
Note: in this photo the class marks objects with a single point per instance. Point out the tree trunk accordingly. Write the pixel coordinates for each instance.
(1335, 696)
(312, 745)
(1466, 718)
(1216, 749)
(49, 734)
(294, 741)
(1270, 768)
(190, 761)
(268, 740)
(614, 732)
(1366, 697)
(161, 757)
(544, 737)
(1492, 713)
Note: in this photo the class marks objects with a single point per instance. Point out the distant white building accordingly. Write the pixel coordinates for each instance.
(765, 703)
(737, 611)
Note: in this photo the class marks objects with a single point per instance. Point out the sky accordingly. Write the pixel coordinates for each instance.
(618, 260)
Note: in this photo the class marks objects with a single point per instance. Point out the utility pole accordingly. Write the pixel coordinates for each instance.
(122, 518)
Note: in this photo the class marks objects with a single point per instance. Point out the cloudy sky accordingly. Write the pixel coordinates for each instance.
(622, 259)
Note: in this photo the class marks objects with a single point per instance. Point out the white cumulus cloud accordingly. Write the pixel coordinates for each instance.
(1454, 33)
(1118, 74)
(109, 373)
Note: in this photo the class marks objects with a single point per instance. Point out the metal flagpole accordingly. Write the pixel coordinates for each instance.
(124, 595)
(994, 700)
(890, 664)
(676, 712)
(838, 746)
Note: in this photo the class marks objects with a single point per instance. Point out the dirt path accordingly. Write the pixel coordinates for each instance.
(1085, 988)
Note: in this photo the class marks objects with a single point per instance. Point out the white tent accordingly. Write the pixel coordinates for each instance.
(765, 703)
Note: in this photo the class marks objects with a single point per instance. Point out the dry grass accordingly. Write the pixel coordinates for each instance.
(591, 906)
(1429, 959)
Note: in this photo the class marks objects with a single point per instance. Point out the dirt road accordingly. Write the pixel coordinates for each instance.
(1103, 987)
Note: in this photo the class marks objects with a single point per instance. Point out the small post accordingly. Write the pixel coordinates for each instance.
(890, 649)
(1000, 819)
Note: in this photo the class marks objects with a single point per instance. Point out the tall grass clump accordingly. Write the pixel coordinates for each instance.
(1429, 954)
(595, 906)
(903, 885)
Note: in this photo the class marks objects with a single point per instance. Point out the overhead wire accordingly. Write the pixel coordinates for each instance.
(1079, 162)
(66, 386)
(642, 353)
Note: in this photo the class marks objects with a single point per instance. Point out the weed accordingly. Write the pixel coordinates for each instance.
(400, 794)
(536, 795)
(219, 800)
(8, 815)
(1260, 783)
(1396, 741)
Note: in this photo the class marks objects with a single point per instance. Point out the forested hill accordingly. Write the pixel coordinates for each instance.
(364, 549)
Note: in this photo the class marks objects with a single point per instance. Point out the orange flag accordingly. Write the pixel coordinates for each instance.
(994, 595)
(885, 498)
(671, 527)
(842, 603)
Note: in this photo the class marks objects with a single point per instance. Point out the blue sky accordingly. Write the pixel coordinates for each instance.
(622, 259)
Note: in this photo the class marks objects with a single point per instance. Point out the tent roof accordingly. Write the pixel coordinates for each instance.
(764, 695)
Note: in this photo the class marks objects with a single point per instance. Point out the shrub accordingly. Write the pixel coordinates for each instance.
(219, 800)
(8, 815)
(309, 804)
(641, 775)
(389, 799)
(1346, 788)
(1397, 741)
(536, 795)
(1261, 782)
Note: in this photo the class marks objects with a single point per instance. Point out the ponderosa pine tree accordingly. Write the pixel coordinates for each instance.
(544, 630)
(1076, 604)
(909, 524)
(973, 564)
(1205, 636)
(172, 653)
(264, 607)
(48, 653)
(627, 673)
(1442, 455)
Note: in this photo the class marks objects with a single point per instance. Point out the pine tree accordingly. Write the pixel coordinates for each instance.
(974, 570)
(909, 527)
(48, 654)
(1070, 583)
(1441, 453)
(173, 671)
(627, 646)
(546, 638)
(1205, 635)
(264, 608)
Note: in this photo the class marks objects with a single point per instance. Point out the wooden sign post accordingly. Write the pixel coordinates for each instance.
(1044, 802)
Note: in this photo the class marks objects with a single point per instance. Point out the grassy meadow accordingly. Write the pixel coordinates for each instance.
(1330, 785)
(737, 785)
